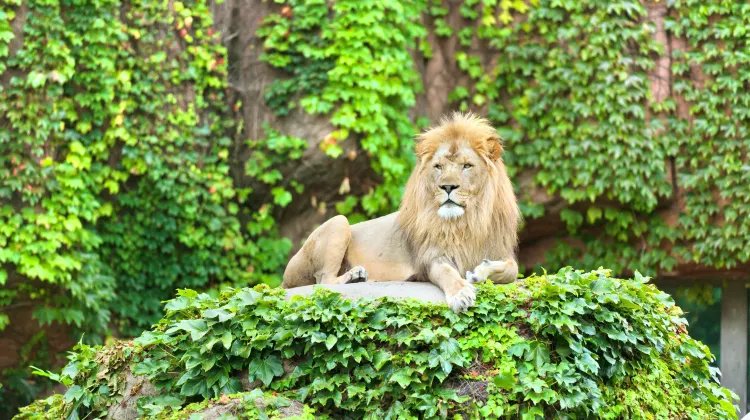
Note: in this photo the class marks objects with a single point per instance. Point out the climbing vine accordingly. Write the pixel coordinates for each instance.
(571, 94)
(572, 97)
(563, 86)
(568, 345)
(712, 73)
(116, 132)
(353, 61)
(115, 189)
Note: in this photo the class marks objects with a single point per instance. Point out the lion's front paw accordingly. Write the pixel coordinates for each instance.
(357, 274)
(463, 298)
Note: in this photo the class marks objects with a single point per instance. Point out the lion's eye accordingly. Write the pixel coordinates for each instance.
(438, 166)
(468, 165)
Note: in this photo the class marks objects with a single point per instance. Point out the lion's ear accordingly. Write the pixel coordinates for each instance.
(426, 145)
(421, 148)
(494, 147)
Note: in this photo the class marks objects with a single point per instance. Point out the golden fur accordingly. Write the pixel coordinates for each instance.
(458, 214)
(487, 231)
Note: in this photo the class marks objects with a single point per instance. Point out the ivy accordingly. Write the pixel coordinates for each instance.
(571, 95)
(254, 405)
(576, 112)
(115, 184)
(713, 138)
(116, 140)
(570, 345)
(361, 51)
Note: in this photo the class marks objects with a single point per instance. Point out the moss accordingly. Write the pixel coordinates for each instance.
(53, 407)
(245, 405)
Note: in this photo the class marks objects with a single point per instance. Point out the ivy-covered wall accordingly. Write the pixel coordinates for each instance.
(586, 107)
(150, 146)
(115, 186)
(627, 120)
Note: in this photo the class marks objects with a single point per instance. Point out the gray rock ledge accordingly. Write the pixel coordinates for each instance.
(427, 292)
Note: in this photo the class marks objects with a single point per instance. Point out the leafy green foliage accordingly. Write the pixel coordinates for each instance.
(572, 98)
(115, 134)
(114, 165)
(569, 345)
(713, 166)
(361, 51)
(574, 108)
(253, 405)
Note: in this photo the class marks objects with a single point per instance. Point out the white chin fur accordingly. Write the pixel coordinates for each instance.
(450, 211)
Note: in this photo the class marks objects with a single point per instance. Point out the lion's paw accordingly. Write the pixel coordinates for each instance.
(463, 299)
(498, 271)
(481, 272)
(357, 274)
(475, 276)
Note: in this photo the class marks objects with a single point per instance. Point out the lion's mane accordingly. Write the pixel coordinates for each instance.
(486, 230)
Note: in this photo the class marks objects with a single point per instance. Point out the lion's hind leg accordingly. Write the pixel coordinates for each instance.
(356, 274)
(321, 257)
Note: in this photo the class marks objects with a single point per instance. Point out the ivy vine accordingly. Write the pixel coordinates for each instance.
(713, 140)
(571, 96)
(115, 189)
(569, 345)
(103, 212)
(361, 51)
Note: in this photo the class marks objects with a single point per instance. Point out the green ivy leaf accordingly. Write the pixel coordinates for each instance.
(74, 393)
(36, 79)
(331, 341)
(265, 369)
(587, 363)
(196, 327)
(504, 380)
(380, 358)
(281, 196)
(401, 377)
(538, 354)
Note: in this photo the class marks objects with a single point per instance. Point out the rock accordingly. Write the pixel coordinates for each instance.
(423, 291)
(135, 388)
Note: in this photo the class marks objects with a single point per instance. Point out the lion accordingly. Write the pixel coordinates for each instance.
(458, 214)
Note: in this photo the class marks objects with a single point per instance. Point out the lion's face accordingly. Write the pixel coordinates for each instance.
(459, 201)
(456, 175)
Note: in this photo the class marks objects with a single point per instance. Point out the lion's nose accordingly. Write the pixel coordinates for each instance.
(448, 188)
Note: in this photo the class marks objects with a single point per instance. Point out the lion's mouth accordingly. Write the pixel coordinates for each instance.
(450, 203)
(450, 210)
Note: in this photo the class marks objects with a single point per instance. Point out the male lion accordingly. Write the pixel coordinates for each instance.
(458, 212)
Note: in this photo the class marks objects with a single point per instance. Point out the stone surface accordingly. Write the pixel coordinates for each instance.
(427, 292)
(135, 387)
